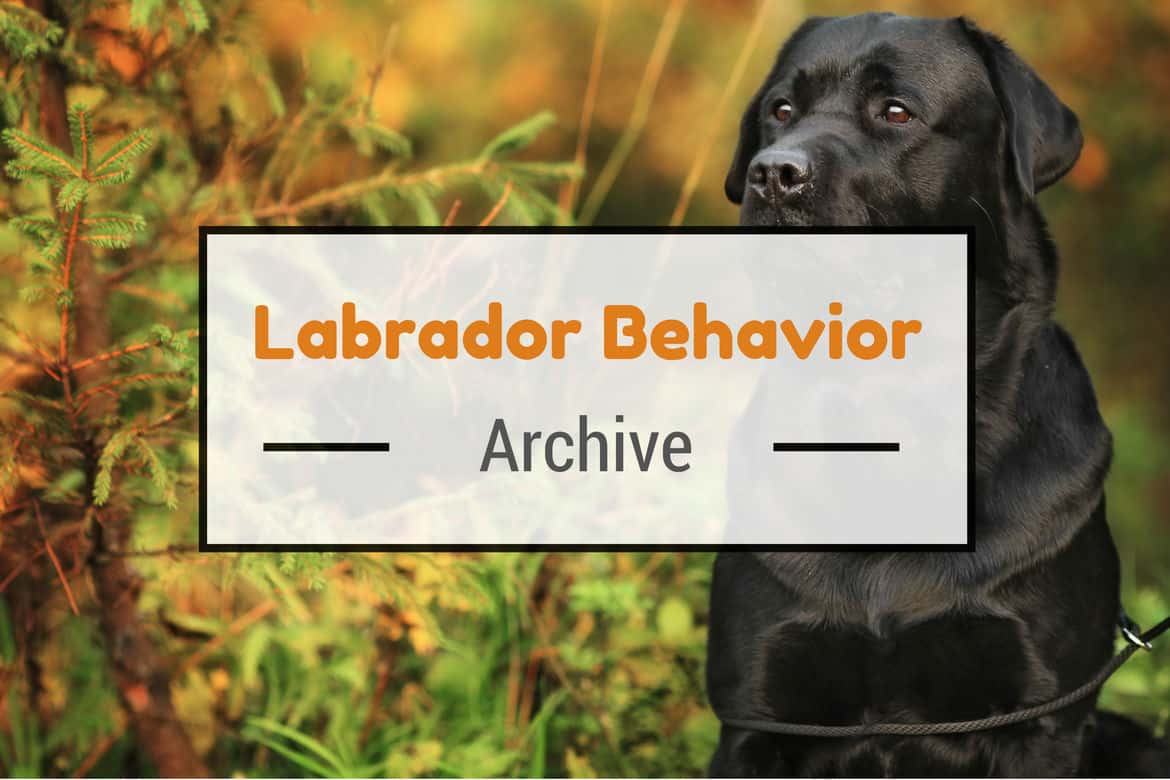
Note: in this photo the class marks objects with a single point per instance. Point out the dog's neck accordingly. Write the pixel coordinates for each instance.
(1015, 292)
(1026, 369)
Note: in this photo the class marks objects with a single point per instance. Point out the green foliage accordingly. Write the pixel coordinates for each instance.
(304, 752)
(37, 158)
(113, 163)
(74, 175)
(24, 33)
(518, 136)
(21, 749)
(381, 195)
(113, 451)
(1142, 686)
(510, 686)
(146, 13)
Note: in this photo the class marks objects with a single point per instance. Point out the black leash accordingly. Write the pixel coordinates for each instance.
(1129, 630)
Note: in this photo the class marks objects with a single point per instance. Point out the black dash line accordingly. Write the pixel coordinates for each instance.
(326, 446)
(836, 446)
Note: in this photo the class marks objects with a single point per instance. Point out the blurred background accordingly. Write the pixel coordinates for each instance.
(605, 112)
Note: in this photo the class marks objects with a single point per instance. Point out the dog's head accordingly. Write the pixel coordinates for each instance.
(887, 120)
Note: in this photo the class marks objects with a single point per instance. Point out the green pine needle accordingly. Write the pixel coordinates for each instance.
(123, 151)
(72, 194)
(161, 477)
(116, 221)
(518, 136)
(390, 140)
(35, 156)
(115, 448)
(107, 240)
(54, 250)
(37, 227)
(80, 133)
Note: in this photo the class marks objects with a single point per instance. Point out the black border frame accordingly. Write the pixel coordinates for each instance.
(209, 230)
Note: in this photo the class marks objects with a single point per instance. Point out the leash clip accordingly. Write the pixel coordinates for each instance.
(1132, 633)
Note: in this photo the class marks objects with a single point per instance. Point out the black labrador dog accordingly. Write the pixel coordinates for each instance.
(886, 120)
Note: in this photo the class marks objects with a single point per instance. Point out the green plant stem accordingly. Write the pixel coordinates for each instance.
(641, 112)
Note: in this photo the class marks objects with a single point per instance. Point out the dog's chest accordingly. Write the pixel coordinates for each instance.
(947, 668)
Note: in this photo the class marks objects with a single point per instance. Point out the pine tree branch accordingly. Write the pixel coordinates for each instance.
(127, 380)
(347, 193)
(117, 353)
(64, 162)
(165, 419)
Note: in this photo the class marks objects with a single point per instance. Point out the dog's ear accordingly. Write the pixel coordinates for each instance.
(749, 125)
(1043, 134)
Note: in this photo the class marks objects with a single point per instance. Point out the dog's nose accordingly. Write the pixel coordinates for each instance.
(781, 174)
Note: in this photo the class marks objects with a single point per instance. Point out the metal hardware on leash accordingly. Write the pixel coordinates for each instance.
(1132, 631)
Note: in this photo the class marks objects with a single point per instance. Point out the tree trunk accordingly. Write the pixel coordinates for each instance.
(143, 681)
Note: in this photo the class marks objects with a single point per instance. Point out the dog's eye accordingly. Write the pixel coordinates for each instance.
(783, 111)
(896, 114)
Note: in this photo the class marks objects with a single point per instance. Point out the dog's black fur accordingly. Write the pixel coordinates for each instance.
(841, 639)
